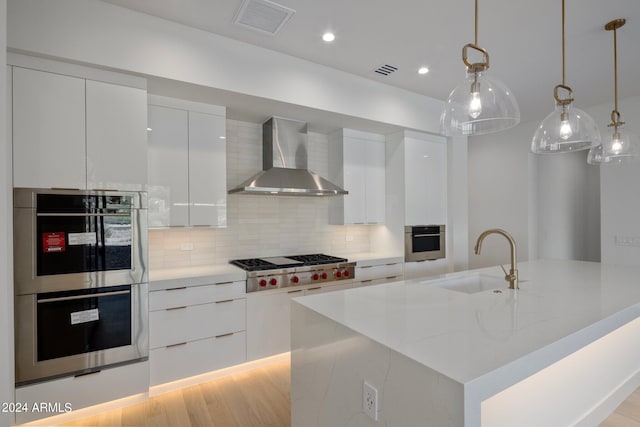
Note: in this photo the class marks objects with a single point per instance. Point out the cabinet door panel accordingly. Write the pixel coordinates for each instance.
(207, 170)
(425, 182)
(375, 179)
(355, 180)
(48, 130)
(269, 323)
(168, 167)
(116, 137)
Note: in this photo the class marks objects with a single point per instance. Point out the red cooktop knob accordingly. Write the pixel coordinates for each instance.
(295, 279)
(263, 282)
(346, 273)
(273, 282)
(324, 275)
(338, 274)
(315, 276)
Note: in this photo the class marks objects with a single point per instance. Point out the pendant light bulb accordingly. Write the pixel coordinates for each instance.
(616, 144)
(475, 103)
(565, 126)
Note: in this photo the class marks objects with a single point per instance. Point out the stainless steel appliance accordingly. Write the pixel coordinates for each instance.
(284, 164)
(424, 242)
(294, 270)
(81, 297)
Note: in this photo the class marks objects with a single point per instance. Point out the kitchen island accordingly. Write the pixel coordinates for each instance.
(463, 350)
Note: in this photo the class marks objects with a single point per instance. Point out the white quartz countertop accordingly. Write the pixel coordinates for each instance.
(194, 276)
(491, 340)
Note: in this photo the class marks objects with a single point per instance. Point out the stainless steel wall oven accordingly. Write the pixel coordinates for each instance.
(81, 297)
(424, 242)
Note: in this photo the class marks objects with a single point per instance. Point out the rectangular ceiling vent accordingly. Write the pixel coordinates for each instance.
(263, 15)
(385, 70)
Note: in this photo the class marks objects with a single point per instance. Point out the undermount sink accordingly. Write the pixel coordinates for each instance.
(473, 283)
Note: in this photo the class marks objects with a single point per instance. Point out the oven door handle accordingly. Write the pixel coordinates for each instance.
(80, 214)
(426, 235)
(98, 295)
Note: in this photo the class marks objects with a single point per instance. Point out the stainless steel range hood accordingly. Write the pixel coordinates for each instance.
(284, 163)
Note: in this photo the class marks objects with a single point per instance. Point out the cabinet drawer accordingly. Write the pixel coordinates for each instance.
(378, 271)
(196, 357)
(184, 296)
(184, 324)
(86, 390)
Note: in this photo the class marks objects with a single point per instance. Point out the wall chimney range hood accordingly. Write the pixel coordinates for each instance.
(284, 163)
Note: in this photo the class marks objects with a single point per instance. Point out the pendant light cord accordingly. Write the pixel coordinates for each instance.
(563, 60)
(615, 68)
(476, 38)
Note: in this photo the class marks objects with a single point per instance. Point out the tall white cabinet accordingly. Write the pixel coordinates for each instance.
(357, 163)
(187, 163)
(72, 131)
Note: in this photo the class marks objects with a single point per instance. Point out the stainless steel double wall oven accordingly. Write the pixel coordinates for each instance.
(81, 292)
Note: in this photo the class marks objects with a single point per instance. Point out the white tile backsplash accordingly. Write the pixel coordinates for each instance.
(259, 226)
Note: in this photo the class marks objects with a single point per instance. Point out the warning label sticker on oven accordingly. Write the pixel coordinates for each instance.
(53, 242)
(84, 316)
(82, 238)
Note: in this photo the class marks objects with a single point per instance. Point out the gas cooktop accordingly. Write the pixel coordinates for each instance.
(294, 270)
(269, 263)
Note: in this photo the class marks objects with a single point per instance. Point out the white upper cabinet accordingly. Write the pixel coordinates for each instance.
(425, 180)
(75, 132)
(187, 163)
(207, 170)
(168, 167)
(48, 130)
(357, 163)
(116, 137)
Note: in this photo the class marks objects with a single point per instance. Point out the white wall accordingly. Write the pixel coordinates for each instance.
(6, 245)
(94, 32)
(499, 195)
(567, 208)
(620, 195)
(458, 203)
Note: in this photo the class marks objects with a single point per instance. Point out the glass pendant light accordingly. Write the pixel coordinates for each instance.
(620, 146)
(567, 128)
(480, 104)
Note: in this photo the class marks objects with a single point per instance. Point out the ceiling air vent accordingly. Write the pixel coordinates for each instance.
(385, 70)
(263, 16)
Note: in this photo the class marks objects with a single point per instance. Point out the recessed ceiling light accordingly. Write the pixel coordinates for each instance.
(328, 37)
(423, 70)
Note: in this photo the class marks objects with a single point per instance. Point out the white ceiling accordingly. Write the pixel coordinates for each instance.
(523, 38)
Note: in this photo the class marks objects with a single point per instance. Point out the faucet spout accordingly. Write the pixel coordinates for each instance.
(512, 277)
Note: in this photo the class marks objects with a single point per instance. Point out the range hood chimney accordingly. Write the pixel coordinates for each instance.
(284, 163)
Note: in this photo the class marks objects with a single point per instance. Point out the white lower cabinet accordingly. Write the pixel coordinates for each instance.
(376, 272)
(269, 318)
(197, 329)
(196, 357)
(51, 397)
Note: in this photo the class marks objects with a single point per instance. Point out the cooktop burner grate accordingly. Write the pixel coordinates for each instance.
(259, 264)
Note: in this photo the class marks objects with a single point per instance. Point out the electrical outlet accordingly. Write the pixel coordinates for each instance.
(348, 238)
(186, 246)
(370, 401)
(627, 241)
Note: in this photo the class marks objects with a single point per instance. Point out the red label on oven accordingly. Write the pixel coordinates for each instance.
(53, 242)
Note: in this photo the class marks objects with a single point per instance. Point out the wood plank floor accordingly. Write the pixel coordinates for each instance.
(257, 398)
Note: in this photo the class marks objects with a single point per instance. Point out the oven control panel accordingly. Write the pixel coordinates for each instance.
(284, 278)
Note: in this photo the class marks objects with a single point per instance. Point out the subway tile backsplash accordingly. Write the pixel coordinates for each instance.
(260, 225)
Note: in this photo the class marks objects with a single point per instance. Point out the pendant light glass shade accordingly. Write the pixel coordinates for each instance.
(566, 129)
(479, 105)
(619, 146)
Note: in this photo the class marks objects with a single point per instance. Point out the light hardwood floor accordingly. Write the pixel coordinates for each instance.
(257, 398)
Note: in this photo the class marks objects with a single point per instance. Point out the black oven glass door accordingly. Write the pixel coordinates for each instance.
(83, 233)
(425, 239)
(83, 321)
